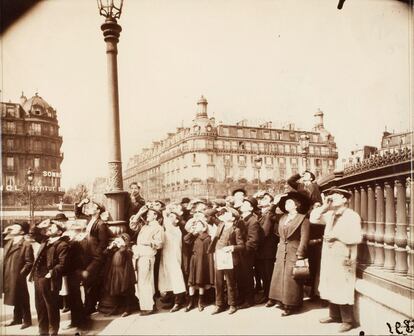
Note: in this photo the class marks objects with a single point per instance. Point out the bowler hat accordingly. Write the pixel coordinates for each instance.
(185, 200)
(252, 201)
(343, 192)
(60, 217)
(304, 201)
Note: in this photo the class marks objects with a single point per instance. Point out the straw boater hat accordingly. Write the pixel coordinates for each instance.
(304, 201)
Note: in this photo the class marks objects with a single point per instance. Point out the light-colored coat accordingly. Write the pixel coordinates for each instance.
(170, 275)
(337, 280)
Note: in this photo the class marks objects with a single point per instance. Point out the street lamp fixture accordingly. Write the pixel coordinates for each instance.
(258, 161)
(30, 178)
(111, 9)
(304, 145)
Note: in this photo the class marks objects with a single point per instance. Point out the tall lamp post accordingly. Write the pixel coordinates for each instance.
(29, 178)
(304, 145)
(258, 161)
(111, 10)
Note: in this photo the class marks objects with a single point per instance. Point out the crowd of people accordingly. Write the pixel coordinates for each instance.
(190, 254)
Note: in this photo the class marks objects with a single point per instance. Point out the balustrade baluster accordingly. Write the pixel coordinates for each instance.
(389, 251)
(357, 201)
(379, 226)
(371, 225)
(351, 200)
(401, 265)
(410, 183)
(363, 248)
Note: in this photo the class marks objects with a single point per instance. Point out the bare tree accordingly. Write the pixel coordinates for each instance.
(75, 194)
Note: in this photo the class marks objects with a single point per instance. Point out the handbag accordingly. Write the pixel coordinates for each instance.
(301, 269)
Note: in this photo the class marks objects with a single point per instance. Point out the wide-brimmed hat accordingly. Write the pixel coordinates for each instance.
(343, 192)
(304, 201)
(60, 217)
(239, 190)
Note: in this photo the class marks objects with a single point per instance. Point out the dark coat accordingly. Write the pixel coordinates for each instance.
(312, 190)
(131, 208)
(235, 239)
(201, 272)
(74, 259)
(55, 261)
(120, 275)
(269, 240)
(252, 233)
(293, 243)
(17, 263)
(94, 244)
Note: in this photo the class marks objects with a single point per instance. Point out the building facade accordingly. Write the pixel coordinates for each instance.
(30, 139)
(211, 159)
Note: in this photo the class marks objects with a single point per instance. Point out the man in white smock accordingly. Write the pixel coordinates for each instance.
(339, 253)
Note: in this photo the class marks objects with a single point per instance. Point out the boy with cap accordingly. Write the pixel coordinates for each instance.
(17, 263)
(228, 239)
(339, 252)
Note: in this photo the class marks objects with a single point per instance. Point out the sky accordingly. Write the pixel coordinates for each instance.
(252, 59)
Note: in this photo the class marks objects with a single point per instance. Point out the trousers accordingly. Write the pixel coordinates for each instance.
(344, 313)
(231, 287)
(47, 306)
(145, 279)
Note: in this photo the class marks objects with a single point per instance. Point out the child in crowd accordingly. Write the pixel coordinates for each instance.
(201, 275)
(120, 277)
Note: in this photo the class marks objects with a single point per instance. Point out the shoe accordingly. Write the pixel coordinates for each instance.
(65, 310)
(25, 325)
(345, 327)
(270, 303)
(12, 323)
(146, 312)
(286, 312)
(329, 320)
(69, 326)
(245, 306)
(200, 303)
(218, 309)
(175, 308)
(262, 300)
(168, 306)
(190, 305)
(232, 310)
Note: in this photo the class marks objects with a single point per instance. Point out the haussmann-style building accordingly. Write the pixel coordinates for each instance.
(211, 159)
(30, 139)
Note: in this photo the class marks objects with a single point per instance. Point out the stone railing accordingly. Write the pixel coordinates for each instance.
(382, 190)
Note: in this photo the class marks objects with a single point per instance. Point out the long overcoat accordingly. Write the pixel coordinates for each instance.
(171, 276)
(294, 238)
(338, 262)
(201, 263)
(17, 263)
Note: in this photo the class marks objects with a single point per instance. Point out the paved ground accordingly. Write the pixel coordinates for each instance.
(257, 320)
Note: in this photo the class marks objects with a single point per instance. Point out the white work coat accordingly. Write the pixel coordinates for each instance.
(337, 280)
(170, 274)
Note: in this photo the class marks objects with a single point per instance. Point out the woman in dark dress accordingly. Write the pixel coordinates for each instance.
(293, 229)
(120, 277)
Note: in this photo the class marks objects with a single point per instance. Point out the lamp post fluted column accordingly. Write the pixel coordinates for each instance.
(115, 196)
